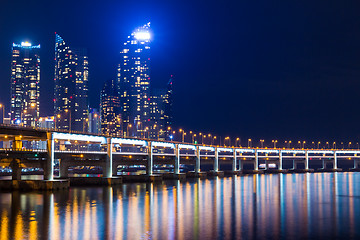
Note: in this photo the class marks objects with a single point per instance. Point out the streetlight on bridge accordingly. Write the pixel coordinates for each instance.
(274, 141)
(237, 139)
(262, 143)
(249, 142)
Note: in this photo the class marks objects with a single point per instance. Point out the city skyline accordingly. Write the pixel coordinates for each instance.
(291, 92)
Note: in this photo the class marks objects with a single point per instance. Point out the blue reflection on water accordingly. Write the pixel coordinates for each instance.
(280, 206)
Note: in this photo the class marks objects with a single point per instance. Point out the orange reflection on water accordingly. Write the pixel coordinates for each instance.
(254, 206)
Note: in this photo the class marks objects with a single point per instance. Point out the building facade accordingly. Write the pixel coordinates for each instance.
(71, 87)
(110, 109)
(25, 80)
(94, 121)
(134, 81)
(161, 112)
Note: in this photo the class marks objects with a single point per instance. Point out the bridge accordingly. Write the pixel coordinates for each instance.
(25, 147)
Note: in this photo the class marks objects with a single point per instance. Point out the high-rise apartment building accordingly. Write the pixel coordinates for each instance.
(134, 80)
(111, 121)
(71, 87)
(168, 107)
(161, 112)
(94, 121)
(25, 79)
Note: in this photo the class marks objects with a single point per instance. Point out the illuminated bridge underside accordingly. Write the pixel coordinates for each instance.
(78, 150)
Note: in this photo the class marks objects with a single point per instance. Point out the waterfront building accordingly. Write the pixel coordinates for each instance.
(161, 112)
(111, 121)
(168, 108)
(94, 121)
(25, 80)
(71, 86)
(134, 80)
(156, 128)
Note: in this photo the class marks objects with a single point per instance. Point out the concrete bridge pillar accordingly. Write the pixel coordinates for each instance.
(234, 160)
(49, 166)
(335, 161)
(280, 161)
(355, 163)
(306, 160)
(63, 169)
(323, 163)
(256, 164)
(216, 160)
(177, 159)
(17, 143)
(114, 170)
(149, 167)
(107, 171)
(16, 169)
(197, 159)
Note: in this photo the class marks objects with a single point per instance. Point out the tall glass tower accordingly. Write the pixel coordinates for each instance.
(25, 79)
(71, 87)
(110, 109)
(134, 81)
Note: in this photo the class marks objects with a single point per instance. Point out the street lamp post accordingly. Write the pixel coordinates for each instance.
(249, 142)
(236, 142)
(334, 145)
(274, 141)
(225, 141)
(318, 145)
(262, 143)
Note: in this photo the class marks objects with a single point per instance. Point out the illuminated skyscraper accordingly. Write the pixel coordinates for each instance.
(25, 79)
(161, 112)
(71, 87)
(94, 121)
(168, 107)
(111, 121)
(134, 80)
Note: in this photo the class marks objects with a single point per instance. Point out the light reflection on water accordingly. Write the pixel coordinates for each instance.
(325, 205)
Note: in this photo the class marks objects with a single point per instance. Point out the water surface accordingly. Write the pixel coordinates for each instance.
(280, 206)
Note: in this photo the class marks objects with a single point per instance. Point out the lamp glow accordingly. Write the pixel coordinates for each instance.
(26, 44)
(142, 35)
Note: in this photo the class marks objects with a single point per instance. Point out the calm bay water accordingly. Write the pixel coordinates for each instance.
(286, 206)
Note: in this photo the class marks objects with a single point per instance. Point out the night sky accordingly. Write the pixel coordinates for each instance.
(286, 70)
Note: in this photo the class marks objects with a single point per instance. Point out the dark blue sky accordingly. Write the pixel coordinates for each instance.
(260, 69)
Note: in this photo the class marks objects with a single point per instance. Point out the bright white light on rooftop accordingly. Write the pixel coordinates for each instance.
(26, 44)
(142, 35)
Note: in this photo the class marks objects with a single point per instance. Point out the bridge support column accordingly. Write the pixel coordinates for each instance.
(114, 170)
(256, 164)
(177, 159)
(216, 160)
(63, 169)
(149, 167)
(17, 143)
(197, 159)
(49, 166)
(107, 171)
(280, 161)
(306, 160)
(323, 163)
(16, 169)
(335, 161)
(234, 160)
